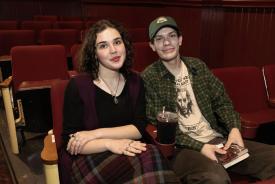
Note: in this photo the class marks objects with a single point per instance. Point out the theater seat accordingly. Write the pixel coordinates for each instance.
(11, 38)
(269, 75)
(37, 26)
(65, 37)
(76, 24)
(51, 18)
(8, 24)
(245, 86)
(34, 68)
(52, 141)
(75, 55)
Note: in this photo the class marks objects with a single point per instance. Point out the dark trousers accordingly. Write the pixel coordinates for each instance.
(193, 167)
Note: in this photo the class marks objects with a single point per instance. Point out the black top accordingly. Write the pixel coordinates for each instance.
(108, 113)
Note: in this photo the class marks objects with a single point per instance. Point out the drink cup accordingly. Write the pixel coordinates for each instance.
(166, 127)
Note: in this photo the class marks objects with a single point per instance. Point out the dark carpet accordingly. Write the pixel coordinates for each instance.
(6, 172)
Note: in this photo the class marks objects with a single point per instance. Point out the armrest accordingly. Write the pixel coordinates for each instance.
(32, 85)
(6, 83)
(49, 153)
(271, 102)
(72, 73)
(5, 58)
(166, 149)
(248, 129)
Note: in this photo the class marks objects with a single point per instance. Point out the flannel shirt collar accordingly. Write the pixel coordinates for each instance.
(163, 71)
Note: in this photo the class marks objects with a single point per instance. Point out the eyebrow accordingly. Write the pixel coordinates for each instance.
(115, 39)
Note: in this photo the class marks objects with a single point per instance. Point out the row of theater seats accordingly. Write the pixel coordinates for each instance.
(37, 70)
(11, 38)
(43, 24)
(66, 37)
(143, 55)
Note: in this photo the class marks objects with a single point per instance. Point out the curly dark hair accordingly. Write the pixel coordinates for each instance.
(87, 56)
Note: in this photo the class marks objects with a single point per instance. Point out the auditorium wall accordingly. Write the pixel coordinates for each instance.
(221, 32)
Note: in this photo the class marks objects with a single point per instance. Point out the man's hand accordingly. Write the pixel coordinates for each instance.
(209, 151)
(234, 137)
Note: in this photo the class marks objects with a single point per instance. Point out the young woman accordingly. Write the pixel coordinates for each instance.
(104, 116)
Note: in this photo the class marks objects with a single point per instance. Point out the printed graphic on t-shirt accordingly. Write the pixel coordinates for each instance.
(191, 120)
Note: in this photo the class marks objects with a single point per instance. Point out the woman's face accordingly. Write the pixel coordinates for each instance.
(110, 49)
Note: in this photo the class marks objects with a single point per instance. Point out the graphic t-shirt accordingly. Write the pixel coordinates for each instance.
(191, 121)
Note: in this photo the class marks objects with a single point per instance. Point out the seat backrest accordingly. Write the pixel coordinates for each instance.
(51, 18)
(245, 87)
(8, 24)
(11, 38)
(57, 101)
(143, 56)
(70, 18)
(65, 37)
(39, 62)
(69, 24)
(75, 54)
(269, 75)
(36, 25)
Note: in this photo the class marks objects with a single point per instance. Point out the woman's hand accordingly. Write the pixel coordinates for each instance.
(234, 137)
(125, 146)
(210, 150)
(78, 140)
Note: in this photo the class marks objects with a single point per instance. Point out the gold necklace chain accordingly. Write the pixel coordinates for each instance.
(112, 93)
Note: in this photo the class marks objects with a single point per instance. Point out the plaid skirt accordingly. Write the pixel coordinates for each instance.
(109, 168)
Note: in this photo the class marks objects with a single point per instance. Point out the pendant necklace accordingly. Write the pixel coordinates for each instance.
(112, 93)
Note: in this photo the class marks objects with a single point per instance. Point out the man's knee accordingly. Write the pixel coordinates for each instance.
(207, 178)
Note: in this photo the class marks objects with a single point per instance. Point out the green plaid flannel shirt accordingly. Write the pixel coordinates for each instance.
(210, 94)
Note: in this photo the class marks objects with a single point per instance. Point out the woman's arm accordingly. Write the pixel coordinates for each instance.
(118, 146)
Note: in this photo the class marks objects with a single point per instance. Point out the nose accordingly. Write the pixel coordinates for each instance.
(166, 41)
(112, 49)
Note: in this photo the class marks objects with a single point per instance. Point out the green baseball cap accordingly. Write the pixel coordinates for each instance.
(160, 22)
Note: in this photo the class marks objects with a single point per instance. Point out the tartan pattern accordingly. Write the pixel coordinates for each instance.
(104, 168)
(210, 94)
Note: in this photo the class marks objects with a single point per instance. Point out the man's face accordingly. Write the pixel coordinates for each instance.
(166, 43)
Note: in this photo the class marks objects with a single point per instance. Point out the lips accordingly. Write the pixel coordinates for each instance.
(168, 50)
(115, 59)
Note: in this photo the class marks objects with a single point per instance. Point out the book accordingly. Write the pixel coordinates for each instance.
(235, 154)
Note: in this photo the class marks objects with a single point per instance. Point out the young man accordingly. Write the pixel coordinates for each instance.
(185, 85)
